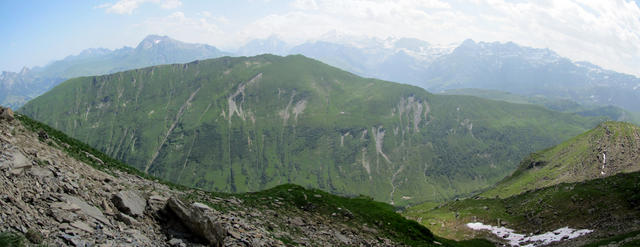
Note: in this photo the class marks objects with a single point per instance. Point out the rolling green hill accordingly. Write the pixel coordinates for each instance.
(249, 123)
(587, 182)
(611, 148)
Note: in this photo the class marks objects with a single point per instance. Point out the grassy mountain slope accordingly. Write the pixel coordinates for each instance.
(561, 186)
(249, 123)
(557, 104)
(610, 206)
(611, 148)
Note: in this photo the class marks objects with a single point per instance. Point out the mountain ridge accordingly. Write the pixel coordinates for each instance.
(485, 65)
(608, 149)
(246, 123)
(19, 87)
(406, 60)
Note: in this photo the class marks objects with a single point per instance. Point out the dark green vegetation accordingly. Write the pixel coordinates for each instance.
(561, 186)
(608, 205)
(628, 239)
(17, 88)
(557, 104)
(246, 124)
(357, 211)
(611, 148)
(354, 212)
(10, 239)
(13, 239)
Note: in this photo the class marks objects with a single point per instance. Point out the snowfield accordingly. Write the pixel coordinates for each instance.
(516, 239)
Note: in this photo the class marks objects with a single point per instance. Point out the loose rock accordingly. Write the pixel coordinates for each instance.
(129, 202)
(200, 223)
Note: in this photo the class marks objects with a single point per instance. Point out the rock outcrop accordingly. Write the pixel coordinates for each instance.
(129, 202)
(6, 114)
(197, 217)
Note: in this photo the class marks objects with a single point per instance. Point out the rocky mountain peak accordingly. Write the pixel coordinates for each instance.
(153, 40)
(94, 52)
(24, 70)
(468, 43)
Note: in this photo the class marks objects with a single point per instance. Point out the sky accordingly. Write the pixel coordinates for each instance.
(603, 32)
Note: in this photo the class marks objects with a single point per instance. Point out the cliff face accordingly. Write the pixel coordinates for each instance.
(57, 191)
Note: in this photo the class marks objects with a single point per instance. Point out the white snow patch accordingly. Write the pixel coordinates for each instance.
(604, 162)
(156, 41)
(516, 239)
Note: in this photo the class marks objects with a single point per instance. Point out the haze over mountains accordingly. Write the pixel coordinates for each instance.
(18, 88)
(496, 66)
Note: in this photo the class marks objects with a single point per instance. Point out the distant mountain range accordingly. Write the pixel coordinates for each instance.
(495, 66)
(18, 88)
(528, 71)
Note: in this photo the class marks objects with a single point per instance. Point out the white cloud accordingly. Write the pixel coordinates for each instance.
(313, 18)
(305, 4)
(606, 33)
(202, 29)
(128, 6)
(170, 4)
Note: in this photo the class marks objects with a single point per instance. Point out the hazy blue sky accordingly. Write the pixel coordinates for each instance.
(604, 32)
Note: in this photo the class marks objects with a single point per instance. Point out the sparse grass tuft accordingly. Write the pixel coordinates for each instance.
(10, 239)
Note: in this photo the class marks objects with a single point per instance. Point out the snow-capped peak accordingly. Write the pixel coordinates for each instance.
(152, 40)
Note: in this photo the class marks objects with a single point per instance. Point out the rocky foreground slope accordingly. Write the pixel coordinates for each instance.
(57, 191)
